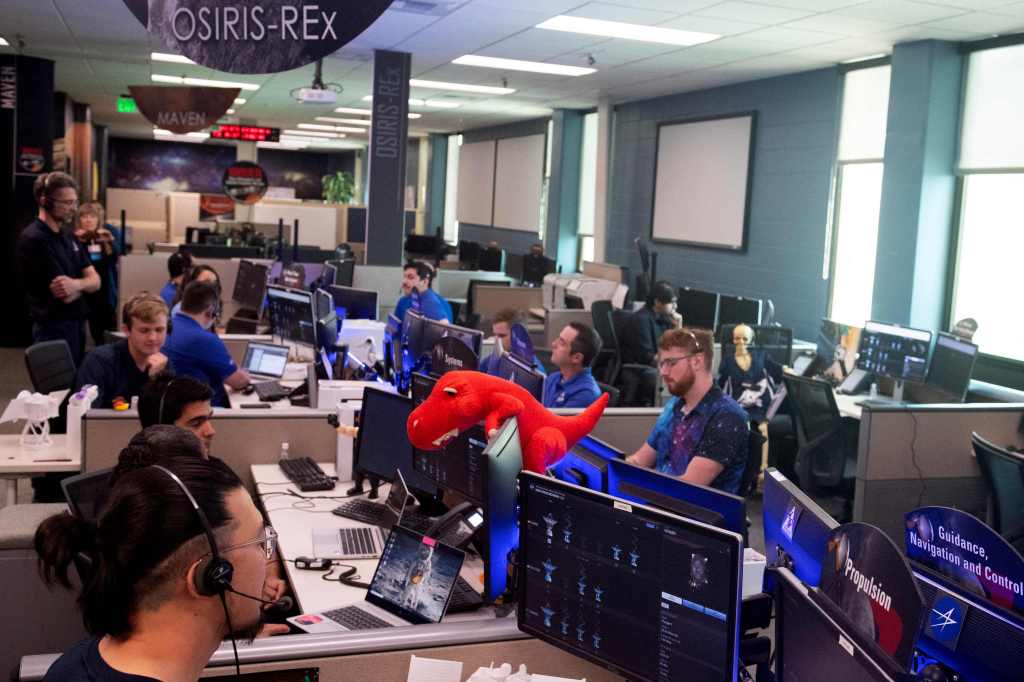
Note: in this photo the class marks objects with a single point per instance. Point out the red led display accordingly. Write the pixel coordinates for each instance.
(247, 133)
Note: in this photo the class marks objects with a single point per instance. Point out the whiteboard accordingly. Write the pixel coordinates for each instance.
(475, 202)
(701, 182)
(518, 182)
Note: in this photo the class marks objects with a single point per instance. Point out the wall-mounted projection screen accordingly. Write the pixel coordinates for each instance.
(518, 181)
(476, 183)
(702, 181)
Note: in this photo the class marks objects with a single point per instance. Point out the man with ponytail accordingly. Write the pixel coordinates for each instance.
(157, 599)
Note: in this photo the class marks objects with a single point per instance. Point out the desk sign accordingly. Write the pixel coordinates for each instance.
(182, 108)
(867, 577)
(965, 550)
(520, 344)
(255, 36)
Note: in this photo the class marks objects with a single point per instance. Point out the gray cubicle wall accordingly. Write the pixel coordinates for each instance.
(243, 437)
(489, 300)
(896, 441)
(624, 428)
(145, 272)
(455, 283)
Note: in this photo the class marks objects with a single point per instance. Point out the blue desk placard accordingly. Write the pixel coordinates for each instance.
(969, 553)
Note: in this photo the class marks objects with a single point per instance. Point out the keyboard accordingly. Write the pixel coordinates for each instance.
(416, 521)
(464, 598)
(305, 473)
(363, 511)
(355, 618)
(271, 391)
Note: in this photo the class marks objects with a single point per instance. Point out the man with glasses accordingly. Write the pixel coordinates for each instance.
(702, 434)
(56, 270)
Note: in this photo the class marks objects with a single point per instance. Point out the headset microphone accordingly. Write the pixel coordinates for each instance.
(282, 604)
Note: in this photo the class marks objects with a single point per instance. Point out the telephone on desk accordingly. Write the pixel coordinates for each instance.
(457, 526)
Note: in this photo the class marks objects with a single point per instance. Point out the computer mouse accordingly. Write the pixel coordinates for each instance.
(249, 389)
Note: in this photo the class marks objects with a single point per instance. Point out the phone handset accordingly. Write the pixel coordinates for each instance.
(457, 526)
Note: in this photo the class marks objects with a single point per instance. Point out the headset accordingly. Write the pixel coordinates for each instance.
(160, 420)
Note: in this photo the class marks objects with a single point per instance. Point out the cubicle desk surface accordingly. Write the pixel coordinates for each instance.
(17, 462)
(848, 406)
(294, 374)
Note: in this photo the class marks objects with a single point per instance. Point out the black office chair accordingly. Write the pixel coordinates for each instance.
(469, 255)
(50, 366)
(826, 459)
(613, 394)
(470, 317)
(755, 443)
(1004, 473)
(631, 375)
(606, 364)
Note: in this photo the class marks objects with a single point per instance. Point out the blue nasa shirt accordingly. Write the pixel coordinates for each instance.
(432, 306)
(168, 292)
(579, 391)
(197, 353)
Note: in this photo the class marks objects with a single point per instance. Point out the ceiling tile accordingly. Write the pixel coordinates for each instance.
(811, 5)
(748, 11)
(785, 37)
(848, 26)
(539, 45)
(980, 22)
(632, 15)
(722, 27)
(899, 11)
(392, 28)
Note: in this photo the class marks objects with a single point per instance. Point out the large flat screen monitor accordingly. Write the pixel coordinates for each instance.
(382, 444)
(890, 350)
(292, 316)
(698, 308)
(951, 366)
(344, 270)
(358, 304)
(738, 310)
(250, 285)
(648, 594)
(795, 528)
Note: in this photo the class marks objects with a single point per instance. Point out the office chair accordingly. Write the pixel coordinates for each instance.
(492, 260)
(630, 374)
(50, 366)
(1004, 474)
(826, 458)
(755, 443)
(471, 317)
(469, 254)
(613, 393)
(606, 364)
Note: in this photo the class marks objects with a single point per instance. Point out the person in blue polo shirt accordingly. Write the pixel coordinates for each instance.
(702, 434)
(417, 277)
(197, 353)
(572, 351)
(501, 328)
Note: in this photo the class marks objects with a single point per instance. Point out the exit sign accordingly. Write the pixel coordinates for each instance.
(126, 105)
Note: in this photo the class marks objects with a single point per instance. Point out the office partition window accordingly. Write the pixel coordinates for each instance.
(857, 197)
(986, 285)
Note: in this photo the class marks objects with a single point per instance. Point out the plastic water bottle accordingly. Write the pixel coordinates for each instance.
(284, 451)
(874, 389)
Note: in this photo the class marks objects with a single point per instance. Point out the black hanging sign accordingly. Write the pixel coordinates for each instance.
(255, 36)
(182, 109)
(245, 182)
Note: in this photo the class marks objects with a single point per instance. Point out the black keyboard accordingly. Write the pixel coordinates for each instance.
(464, 598)
(363, 511)
(355, 618)
(305, 473)
(416, 521)
(271, 391)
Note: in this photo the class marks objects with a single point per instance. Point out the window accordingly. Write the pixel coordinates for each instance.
(588, 189)
(451, 190)
(853, 238)
(991, 167)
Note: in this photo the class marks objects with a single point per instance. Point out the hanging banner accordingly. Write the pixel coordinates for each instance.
(969, 553)
(450, 354)
(216, 207)
(867, 577)
(255, 36)
(245, 182)
(182, 109)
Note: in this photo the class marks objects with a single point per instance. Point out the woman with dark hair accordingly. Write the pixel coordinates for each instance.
(152, 609)
(197, 273)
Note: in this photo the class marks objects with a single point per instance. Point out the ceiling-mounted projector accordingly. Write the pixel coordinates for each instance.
(316, 96)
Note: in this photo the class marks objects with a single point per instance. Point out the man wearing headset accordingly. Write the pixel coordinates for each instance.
(180, 401)
(55, 269)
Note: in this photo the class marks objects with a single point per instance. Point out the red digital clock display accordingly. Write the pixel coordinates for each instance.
(247, 133)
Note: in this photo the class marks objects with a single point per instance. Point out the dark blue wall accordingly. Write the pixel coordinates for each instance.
(797, 126)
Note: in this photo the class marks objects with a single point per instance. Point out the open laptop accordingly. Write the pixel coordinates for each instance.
(412, 585)
(363, 542)
(265, 359)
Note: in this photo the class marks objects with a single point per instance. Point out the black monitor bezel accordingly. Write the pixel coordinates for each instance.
(865, 332)
(962, 395)
(312, 314)
(335, 289)
(358, 445)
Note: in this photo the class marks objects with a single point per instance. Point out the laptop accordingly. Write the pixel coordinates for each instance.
(363, 542)
(411, 586)
(265, 359)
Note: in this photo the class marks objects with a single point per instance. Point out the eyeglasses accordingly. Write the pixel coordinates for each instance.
(268, 540)
(66, 202)
(669, 363)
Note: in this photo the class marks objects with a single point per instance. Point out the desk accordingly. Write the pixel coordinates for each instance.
(848, 406)
(17, 462)
(294, 374)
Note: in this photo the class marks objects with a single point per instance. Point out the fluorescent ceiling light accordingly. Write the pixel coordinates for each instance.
(186, 137)
(230, 112)
(863, 59)
(521, 65)
(187, 80)
(442, 104)
(173, 58)
(413, 102)
(240, 101)
(337, 129)
(315, 126)
(282, 145)
(619, 29)
(309, 133)
(3, 43)
(350, 110)
(350, 121)
(460, 87)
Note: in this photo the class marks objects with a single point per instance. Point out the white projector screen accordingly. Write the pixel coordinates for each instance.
(702, 182)
(518, 182)
(476, 183)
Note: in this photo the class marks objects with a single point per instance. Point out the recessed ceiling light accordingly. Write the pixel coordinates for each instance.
(863, 59)
(173, 58)
(309, 133)
(521, 65)
(187, 80)
(459, 87)
(315, 126)
(240, 101)
(619, 29)
(350, 121)
(413, 101)
(229, 112)
(295, 144)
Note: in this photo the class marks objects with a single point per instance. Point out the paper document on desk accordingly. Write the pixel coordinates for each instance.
(434, 670)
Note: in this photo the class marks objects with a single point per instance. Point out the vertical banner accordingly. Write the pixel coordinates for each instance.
(385, 216)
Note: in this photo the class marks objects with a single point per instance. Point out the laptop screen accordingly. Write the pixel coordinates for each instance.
(266, 359)
(415, 576)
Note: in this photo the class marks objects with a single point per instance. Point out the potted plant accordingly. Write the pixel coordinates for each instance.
(339, 188)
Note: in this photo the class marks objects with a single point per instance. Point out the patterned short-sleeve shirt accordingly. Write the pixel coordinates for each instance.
(716, 428)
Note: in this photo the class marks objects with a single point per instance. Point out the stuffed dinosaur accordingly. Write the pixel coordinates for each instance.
(460, 400)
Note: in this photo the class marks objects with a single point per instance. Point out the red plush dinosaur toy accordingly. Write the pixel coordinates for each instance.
(460, 400)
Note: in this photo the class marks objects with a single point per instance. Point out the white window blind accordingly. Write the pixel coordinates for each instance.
(865, 110)
(992, 136)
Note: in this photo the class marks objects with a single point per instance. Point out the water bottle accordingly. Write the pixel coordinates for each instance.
(78, 405)
(874, 389)
(284, 451)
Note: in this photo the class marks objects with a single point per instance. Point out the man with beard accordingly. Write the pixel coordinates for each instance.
(701, 435)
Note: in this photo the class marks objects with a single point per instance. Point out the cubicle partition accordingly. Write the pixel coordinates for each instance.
(914, 455)
(624, 428)
(145, 272)
(556, 319)
(454, 284)
(489, 300)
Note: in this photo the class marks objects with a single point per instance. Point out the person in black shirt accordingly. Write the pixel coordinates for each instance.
(103, 253)
(120, 370)
(640, 343)
(55, 269)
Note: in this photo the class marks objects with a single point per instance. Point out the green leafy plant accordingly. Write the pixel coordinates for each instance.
(339, 188)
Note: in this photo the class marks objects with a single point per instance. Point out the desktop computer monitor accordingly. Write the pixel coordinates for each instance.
(326, 320)
(435, 330)
(292, 316)
(738, 310)
(344, 271)
(382, 444)
(413, 337)
(896, 352)
(698, 502)
(646, 593)
(535, 267)
(813, 641)
(698, 308)
(250, 286)
(951, 366)
(354, 304)
(586, 464)
(393, 350)
(519, 373)
(796, 529)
